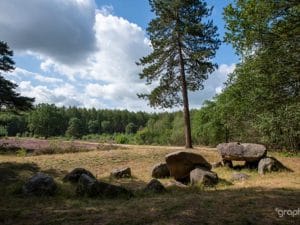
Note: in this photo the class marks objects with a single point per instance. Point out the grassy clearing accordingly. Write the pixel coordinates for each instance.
(248, 202)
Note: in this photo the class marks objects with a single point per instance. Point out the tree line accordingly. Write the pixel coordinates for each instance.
(48, 120)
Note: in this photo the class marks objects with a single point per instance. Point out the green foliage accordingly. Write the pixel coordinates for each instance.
(261, 100)
(164, 129)
(46, 121)
(131, 128)
(106, 126)
(14, 123)
(122, 138)
(21, 152)
(93, 126)
(208, 128)
(74, 128)
(51, 121)
(177, 131)
(9, 98)
(3, 131)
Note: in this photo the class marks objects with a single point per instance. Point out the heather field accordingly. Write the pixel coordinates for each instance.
(32, 146)
(258, 200)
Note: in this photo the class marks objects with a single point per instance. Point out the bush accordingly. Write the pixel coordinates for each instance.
(122, 139)
(21, 152)
(3, 131)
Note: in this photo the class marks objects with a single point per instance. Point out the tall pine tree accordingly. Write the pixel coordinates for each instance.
(9, 98)
(184, 41)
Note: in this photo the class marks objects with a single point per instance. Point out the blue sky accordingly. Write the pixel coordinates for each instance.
(83, 52)
(139, 12)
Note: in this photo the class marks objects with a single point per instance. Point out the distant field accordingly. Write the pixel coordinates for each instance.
(247, 202)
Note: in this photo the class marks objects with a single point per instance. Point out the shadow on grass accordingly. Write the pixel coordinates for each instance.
(12, 172)
(186, 206)
(236, 206)
(132, 183)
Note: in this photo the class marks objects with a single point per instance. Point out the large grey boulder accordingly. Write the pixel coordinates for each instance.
(269, 164)
(181, 163)
(160, 170)
(203, 176)
(40, 185)
(90, 187)
(75, 174)
(121, 173)
(242, 151)
(155, 186)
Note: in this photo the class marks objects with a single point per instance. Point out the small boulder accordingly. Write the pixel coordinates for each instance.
(203, 176)
(87, 186)
(121, 173)
(241, 151)
(160, 171)
(269, 164)
(155, 186)
(180, 164)
(93, 188)
(40, 185)
(239, 177)
(75, 174)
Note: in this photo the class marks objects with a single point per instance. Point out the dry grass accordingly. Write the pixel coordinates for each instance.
(247, 202)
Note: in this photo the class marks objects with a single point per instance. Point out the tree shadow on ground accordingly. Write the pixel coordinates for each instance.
(12, 172)
(132, 183)
(182, 206)
(244, 206)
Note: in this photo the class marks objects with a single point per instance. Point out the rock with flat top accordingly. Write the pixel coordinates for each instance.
(181, 163)
(241, 151)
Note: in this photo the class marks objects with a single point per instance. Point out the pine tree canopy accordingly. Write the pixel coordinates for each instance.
(9, 98)
(184, 41)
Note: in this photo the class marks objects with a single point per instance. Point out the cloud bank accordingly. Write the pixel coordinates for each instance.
(59, 29)
(87, 55)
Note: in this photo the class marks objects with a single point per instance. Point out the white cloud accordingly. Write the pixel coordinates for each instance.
(24, 74)
(108, 77)
(106, 10)
(212, 86)
(59, 29)
(65, 95)
(120, 45)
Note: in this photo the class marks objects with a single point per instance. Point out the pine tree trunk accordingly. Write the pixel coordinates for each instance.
(186, 111)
